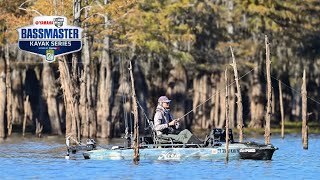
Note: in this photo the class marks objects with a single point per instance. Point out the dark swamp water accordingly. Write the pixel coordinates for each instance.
(34, 158)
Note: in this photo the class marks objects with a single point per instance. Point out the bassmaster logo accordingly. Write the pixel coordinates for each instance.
(50, 36)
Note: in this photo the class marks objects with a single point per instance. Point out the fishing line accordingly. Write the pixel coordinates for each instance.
(214, 95)
(199, 104)
(294, 90)
(289, 87)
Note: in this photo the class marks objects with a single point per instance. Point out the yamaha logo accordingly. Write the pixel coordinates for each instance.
(50, 36)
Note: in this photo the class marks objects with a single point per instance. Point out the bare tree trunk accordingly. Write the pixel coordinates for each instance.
(232, 102)
(50, 93)
(227, 115)
(281, 110)
(239, 98)
(304, 111)
(9, 93)
(269, 93)
(3, 94)
(136, 155)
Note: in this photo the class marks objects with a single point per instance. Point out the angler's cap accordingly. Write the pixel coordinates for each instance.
(164, 99)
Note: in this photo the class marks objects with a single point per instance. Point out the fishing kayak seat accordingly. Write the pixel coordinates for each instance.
(160, 139)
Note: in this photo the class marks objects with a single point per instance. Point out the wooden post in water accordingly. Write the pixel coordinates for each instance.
(281, 109)
(239, 98)
(304, 111)
(136, 156)
(227, 115)
(269, 93)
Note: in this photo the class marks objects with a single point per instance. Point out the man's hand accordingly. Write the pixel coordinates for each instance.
(173, 122)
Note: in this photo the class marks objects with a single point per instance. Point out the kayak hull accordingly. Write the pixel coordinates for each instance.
(236, 151)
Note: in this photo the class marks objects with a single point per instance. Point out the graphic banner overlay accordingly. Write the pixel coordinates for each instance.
(50, 36)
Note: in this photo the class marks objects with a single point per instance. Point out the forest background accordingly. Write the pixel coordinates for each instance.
(179, 48)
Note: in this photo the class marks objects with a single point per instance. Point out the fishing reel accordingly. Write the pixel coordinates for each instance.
(91, 144)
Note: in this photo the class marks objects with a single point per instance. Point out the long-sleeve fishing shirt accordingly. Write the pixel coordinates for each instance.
(162, 119)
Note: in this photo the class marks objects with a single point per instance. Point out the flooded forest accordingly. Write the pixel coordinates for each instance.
(178, 48)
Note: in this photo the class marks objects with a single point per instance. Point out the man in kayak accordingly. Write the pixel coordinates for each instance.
(167, 127)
